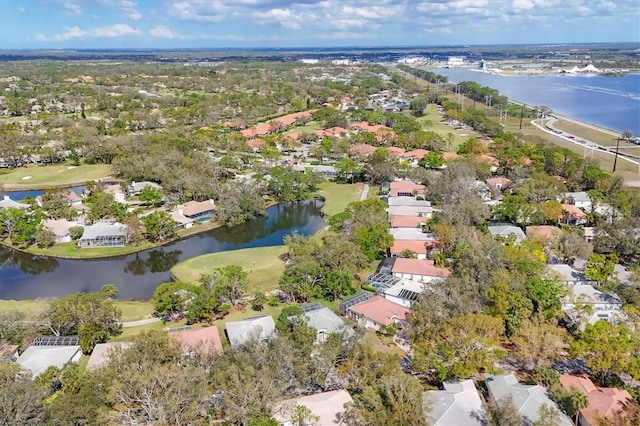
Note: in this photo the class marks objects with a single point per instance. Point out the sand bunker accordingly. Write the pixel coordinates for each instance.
(26, 178)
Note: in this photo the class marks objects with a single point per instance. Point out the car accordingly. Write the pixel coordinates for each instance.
(571, 137)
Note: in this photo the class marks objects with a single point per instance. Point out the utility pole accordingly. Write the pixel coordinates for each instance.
(615, 159)
(521, 114)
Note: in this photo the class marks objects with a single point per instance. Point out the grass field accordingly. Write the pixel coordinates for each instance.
(262, 263)
(30, 308)
(38, 176)
(310, 127)
(337, 196)
(431, 114)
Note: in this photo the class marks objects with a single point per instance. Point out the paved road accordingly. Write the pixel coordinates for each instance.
(140, 322)
(365, 192)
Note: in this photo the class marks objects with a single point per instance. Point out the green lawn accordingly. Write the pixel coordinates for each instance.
(262, 263)
(135, 310)
(431, 114)
(43, 176)
(338, 195)
(30, 308)
(310, 127)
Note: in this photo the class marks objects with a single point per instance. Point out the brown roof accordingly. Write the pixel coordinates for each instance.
(256, 143)
(192, 208)
(505, 182)
(206, 339)
(381, 310)
(419, 247)
(60, 227)
(604, 402)
(448, 156)
(407, 221)
(362, 149)
(544, 231)
(405, 186)
(419, 267)
(416, 153)
(289, 119)
(490, 159)
(395, 150)
(574, 211)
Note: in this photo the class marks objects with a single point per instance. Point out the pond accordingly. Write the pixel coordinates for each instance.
(26, 276)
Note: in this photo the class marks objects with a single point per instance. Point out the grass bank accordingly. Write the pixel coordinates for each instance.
(48, 176)
(337, 196)
(131, 310)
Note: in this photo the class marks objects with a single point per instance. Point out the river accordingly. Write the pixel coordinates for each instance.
(25, 276)
(609, 102)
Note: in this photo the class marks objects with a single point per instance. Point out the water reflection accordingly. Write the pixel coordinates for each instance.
(25, 276)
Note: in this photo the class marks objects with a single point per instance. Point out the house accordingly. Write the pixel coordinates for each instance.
(410, 234)
(579, 199)
(205, 340)
(406, 188)
(407, 221)
(507, 231)
(182, 222)
(586, 305)
(418, 270)
(572, 215)
(60, 228)
(328, 407)
(199, 211)
(102, 351)
(48, 351)
(361, 150)
(116, 191)
(603, 402)
(416, 154)
(404, 292)
(104, 234)
(135, 188)
(569, 275)
(256, 328)
(8, 353)
(395, 151)
(420, 248)
(327, 172)
(491, 161)
(7, 202)
(377, 312)
(326, 322)
(500, 182)
(458, 404)
(527, 399)
(413, 206)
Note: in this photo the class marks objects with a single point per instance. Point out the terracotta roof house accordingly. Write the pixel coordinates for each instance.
(417, 154)
(418, 269)
(572, 215)
(500, 182)
(104, 234)
(457, 405)
(507, 231)
(376, 312)
(7, 202)
(450, 156)
(257, 328)
(407, 221)
(420, 248)
(259, 129)
(60, 228)
(101, 353)
(256, 143)
(395, 151)
(205, 340)
(491, 160)
(543, 233)
(603, 402)
(200, 211)
(406, 188)
(527, 399)
(362, 149)
(327, 406)
(289, 119)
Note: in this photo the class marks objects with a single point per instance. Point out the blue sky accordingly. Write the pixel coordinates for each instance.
(276, 23)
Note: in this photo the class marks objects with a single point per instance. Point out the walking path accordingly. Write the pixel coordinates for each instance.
(365, 192)
(140, 322)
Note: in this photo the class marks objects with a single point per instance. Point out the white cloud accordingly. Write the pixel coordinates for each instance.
(283, 17)
(41, 37)
(129, 8)
(117, 30)
(72, 8)
(161, 31)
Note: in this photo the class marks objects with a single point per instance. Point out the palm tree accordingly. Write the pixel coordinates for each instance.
(578, 401)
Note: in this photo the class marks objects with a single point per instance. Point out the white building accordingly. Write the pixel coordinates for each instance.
(586, 305)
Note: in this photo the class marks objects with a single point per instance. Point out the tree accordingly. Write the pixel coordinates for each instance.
(75, 232)
(93, 316)
(547, 416)
(159, 226)
(173, 298)
(600, 268)
(44, 238)
(538, 343)
(607, 349)
(504, 412)
(258, 301)
(302, 416)
(21, 400)
(432, 160)
(231, 283)
(545, 293)
(347, 168)
(134, 229)
(150, 196)
(374, 240)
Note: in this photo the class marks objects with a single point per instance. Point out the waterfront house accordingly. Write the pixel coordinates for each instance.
(328, 407)
(60, 228)
(257, 328)
(182, 222)
(327, 172)
(604, 403)
(456, 405)
(199, 211)
(377, 312)
(104, 234)
(50, 351)
(7, 202)
(527, 399)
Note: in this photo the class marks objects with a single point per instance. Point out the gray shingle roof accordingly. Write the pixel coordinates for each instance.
(260, 328)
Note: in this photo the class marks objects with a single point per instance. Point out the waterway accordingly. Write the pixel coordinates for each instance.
(25, 276)
(609, 102)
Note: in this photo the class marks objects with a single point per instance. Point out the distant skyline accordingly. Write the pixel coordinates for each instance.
(83, 24)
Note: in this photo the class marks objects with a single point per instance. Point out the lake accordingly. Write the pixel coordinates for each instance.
(609, 102)
(25, 276)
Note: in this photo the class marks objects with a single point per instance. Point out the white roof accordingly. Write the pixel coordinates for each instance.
(328, 406)
(567, 273)
(408, 201)
(259, 328)
(7, 202)
(405, 284)
(101, 229)
(415, 234)
(585, 293)
(324, 319)
(458, 404)
(579, 197)
(38, 358)
(506, 230)
(102, 351)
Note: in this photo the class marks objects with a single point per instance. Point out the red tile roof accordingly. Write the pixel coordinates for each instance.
(449, 156)
(506, 183)
(381, 310)
(574, 212)
(362, 149)
(204, 339)
(405, 186)
(419, 267)
(490, 159)
(256, 143)
(543, 231)
(419, 247)
(395, 150)
(416, 153)
(406, 221)
(604, 402)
